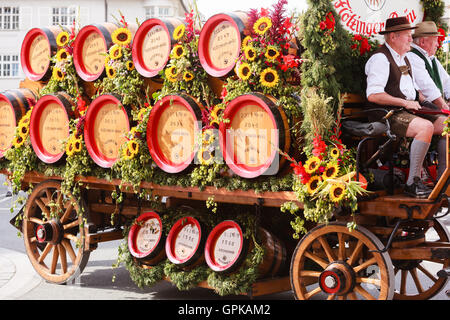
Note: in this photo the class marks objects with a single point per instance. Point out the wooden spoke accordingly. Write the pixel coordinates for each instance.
(363, 293)
(404, 275)
(365, 264)
(331, 297)
(70, 237)
(66, 244)
(43, 208)
(54, 259)
(341, 252)
(36, 220)
(352, 296)
(327, 249)
(356, 252)
(313, 293)
(427, 273)
(44, 253)
(373, 281)
(416, 280)
(309, 273)
(49, 195)
(62, 254)
(71, 225)
(316, 259)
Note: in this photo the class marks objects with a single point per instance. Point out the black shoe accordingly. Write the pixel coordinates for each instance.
(417, 189)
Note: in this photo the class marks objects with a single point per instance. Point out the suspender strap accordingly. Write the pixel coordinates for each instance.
(433, 71)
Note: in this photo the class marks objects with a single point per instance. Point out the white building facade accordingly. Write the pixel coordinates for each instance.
(17, 17)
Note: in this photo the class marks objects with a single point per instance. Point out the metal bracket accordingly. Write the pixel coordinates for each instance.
(410, 210)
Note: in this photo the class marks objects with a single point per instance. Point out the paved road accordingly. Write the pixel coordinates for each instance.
(19, 281)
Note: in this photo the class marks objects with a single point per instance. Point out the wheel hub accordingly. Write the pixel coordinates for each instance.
(51, 231)
(338, 278)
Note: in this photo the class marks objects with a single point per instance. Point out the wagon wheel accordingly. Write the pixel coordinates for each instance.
(421, 274)
(54, 233)
(332, 262)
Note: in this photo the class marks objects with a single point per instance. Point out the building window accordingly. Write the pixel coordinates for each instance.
(164, 11)
(9, 18)
(63, 16)
(9, 66)
(149, 12)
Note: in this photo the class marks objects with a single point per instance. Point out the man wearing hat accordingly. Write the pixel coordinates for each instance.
(390, 84)
(431, 78)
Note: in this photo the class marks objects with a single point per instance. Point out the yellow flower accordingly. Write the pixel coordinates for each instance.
(77, 145)
(244, 71)
(250, 53)
(141, 114)
(178, 51)
(70, 149)
(62, 38)
(18, 141)
(24, 130)
(312, 164)
(178, 33)
(337, 192)
(205, 156)
(25, 121)
(335, 153)
(121, 36)
(111, 72)
(269, 78)
(331, 171)
(129, 65)
(115, 52)
(208, 136)
(133, 146)
(246, 41)
(107, 60)
(187, 76)
(262, 25)
(171, 73)
(58, 74)
(127, 154)
(313, 184)
(214, 114)
(62, 55)
(272, 53)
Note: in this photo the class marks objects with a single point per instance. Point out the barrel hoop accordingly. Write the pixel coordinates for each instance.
(51, 39)
(240, 24)
(170, 28)
(19, 110)
(105, 34)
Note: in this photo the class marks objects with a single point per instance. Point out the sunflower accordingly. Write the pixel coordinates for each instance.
(335, 153)
(269, 78)
(331, 171)
(178, 33)
(133, 146)
(121, 36)
(205, 156)
(262, 25)
(130, 65)
(107, 60)
(25, 121)
(337, 192)
(115, 52)
(77, 144)
(208, 136)
(127, 154)
(70, 148)
(250, 53)
(244, 71)
(171, 73)
(246, 40)
(271, 53)
(62, 38)
(58, 74)
(24, 130)
(62, 55)
(214, 114)
(187, 76)
(313, 184)
(18, 141)
(178, 51)
(111, 72)
(312, 165)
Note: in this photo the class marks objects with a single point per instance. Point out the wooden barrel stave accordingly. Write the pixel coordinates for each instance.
(13, 106)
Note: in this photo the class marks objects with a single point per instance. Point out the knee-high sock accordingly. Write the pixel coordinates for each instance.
(442, 156)
(417, 154)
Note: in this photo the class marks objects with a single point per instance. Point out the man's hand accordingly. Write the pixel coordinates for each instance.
(412, 105)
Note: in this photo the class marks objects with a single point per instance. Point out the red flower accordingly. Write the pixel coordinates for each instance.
(365, 46)
(322, 25)
(289, 61)
(319, 145)
(300, 171)
(81, 104)
(357, 37)
(441, 38)
(330, 22)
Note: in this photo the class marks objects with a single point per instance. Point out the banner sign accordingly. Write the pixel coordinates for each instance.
(368, 17)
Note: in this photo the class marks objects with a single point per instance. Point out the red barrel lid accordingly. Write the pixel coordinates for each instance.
(105, 128)
(172, 127)
(151, 47)
(145, 235)
(250, 140)
(90, 47)
(220, 44)
(49, 126)
(36, 52)
(224, 246)
(184, 240)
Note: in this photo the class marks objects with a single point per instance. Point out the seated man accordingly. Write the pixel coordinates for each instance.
(431, 78)
(390, 84)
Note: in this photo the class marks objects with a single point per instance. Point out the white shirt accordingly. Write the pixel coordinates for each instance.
(377, 71)
(422, 77)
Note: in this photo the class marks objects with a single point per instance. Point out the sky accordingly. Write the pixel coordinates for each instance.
(211, 7)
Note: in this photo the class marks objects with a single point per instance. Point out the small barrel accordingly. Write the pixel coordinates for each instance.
(146, 239)
(185, 242)
(13, 106)
(38, 46)
(49, 126)
(220, 42)
(250, 141)
(226, 249)
(152, 45)
(172, 129)
(107, 123)
(90, 47)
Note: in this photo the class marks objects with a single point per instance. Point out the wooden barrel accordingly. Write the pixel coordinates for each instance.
(220, 42)
(38, 46)
(172, 129)
(152, 45)
(226, 249)
(146, 239)
(13, 106)
(49, 126)
(185, 242)
(90, 47)
(250, 141)
(107, 123)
